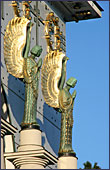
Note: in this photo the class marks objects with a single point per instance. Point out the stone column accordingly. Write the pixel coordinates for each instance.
(31, 154)
(67, 162)
(30, 140)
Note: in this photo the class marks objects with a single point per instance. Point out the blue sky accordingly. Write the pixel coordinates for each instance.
(88, 50)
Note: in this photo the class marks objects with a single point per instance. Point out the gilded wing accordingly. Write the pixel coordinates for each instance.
(50, 76)
(14, 42)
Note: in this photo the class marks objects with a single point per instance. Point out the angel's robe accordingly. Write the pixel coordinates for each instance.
(31, 77)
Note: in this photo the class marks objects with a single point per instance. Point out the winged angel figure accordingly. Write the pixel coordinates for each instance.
(21, 65)
(53, 75)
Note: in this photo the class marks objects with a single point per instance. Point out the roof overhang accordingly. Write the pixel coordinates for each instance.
(76, 10)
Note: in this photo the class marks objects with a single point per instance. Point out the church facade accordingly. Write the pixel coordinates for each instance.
(13, 89)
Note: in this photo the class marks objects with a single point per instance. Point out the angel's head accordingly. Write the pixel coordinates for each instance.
(36, 51)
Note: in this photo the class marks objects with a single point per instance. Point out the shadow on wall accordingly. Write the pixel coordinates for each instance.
(52, 133)
(16, 98)
(16, 94)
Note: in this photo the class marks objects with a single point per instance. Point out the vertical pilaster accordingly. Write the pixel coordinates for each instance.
(6, 129)
(3, 132)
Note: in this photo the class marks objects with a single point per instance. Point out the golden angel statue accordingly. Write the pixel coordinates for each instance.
(53, 76)
(18, 62)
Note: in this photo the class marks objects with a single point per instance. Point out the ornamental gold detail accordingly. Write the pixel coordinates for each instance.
(54, 62)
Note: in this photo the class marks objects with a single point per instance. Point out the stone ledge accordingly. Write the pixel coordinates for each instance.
(7, 127)
(42, 157)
